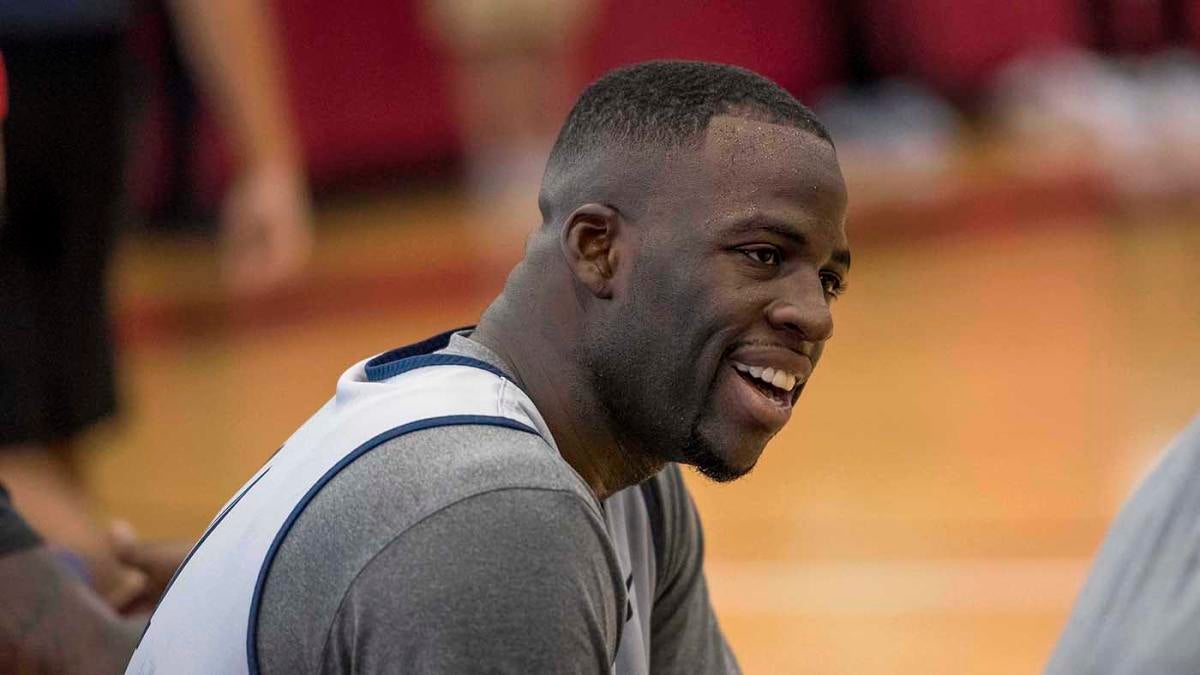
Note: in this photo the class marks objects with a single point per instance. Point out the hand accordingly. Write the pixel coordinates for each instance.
(156, 562)
(266, 228)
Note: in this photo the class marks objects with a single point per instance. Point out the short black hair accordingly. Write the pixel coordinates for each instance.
(667, 103)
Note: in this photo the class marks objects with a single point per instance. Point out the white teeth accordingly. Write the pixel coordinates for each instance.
(780, 379)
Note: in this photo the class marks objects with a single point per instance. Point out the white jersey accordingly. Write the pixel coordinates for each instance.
(376, 400)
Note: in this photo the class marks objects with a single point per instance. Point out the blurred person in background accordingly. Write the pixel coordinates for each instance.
(1138, 610)
(514, 65)
(1123, 101)
(897, 135)
(1106, 89)
(915, 83)
(52, 621)
(65, 157)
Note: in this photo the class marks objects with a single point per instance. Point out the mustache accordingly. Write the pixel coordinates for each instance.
(804, 347)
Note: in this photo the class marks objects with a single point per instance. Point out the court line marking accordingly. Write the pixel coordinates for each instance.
(896, 586)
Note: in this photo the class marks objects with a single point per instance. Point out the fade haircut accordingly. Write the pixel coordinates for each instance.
(633, 116)
(664, 104)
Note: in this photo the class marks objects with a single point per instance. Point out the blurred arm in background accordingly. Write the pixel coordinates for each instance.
(233, 46)
(55, 623)
(52, 621)
(157, 561)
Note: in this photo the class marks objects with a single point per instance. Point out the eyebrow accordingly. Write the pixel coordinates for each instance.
(761, 223)
(840, 256)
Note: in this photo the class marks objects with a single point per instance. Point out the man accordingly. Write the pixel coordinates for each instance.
(1137, 613)
(507, 498)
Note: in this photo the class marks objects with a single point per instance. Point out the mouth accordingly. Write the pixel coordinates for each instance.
(776, 384)
(766, 394)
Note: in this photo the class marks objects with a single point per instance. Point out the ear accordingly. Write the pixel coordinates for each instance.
(588, 242)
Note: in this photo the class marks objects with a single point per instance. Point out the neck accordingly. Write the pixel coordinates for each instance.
(526, 327)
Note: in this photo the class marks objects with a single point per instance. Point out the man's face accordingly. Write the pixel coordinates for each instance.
(727, 283)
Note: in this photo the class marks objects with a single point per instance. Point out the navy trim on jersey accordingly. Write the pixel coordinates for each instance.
(377, 372)
(426, 346)
(422, 354)
(429, 423)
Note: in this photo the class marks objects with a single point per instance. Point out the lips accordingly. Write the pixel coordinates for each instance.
(753, 403)
(766, 361)
(777, 379)
(758, 384)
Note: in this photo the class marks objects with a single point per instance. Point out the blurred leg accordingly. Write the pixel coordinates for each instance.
(514, 69)
(63, 156)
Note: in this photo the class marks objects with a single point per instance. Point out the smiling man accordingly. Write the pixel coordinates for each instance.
(507, 498)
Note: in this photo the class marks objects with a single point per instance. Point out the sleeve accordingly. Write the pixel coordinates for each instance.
(15, 533)
(685, 635)
(509, 581)
(1138, 610)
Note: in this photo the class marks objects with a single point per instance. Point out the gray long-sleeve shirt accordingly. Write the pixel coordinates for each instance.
(473, 548)
(1139, 611)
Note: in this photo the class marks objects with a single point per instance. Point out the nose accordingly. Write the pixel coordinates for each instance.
(803, 309)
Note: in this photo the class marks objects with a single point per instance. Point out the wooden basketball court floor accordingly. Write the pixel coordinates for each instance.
(988, 401)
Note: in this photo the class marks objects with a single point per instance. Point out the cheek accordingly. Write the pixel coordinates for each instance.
(685, 316)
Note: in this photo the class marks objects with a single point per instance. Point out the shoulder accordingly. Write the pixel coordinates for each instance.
(424, 470)
(419, 482)
(514, 573)
(547, 536)
(408, 478)
(531, 539)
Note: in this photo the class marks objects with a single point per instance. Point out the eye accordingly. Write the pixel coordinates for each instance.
(833, 284)
(763, 255)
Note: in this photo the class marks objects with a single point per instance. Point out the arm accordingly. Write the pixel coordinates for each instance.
(51, 622)
(685, 636)
(511, 581)
(233, 47)
(155, 560)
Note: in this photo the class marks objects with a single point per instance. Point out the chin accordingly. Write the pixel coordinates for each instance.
(721, 464)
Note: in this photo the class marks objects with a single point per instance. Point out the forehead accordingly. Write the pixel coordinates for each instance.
(746, 168)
